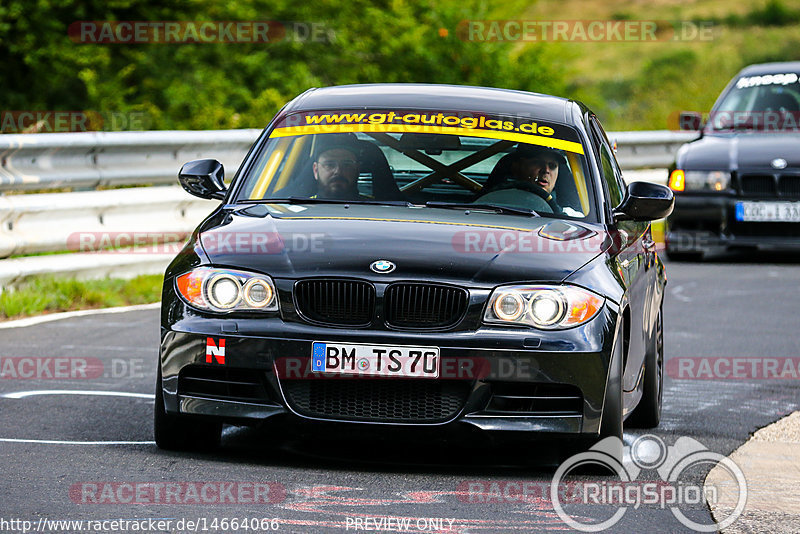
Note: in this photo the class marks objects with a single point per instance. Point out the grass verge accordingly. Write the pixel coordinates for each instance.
(49, 294)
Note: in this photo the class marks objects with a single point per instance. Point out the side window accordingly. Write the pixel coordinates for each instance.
(609, 168)
(614, 189)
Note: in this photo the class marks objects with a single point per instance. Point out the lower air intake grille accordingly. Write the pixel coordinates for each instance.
(223, 383)
(535, 399)
(378, 400)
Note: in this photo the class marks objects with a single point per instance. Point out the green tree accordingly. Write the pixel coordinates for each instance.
(235, 85)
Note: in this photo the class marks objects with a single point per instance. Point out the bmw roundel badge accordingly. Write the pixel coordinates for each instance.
(778, 163)
(382, 266)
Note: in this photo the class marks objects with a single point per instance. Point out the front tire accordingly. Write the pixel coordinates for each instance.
(648, 413)
(611, 417)
(177, 433)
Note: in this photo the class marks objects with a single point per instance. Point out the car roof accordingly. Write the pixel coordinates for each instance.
(417, 96)
(770, 68)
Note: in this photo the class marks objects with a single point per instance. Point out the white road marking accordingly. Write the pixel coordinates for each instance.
(58, 442)
(23, 394)
(66, 315)
(677, 292)
(109, 347)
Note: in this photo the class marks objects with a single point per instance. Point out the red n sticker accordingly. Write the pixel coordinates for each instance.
(217, 351)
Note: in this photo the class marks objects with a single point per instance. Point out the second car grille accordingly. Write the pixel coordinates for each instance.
(768, 185)
(378, 400)
(789, 186)
(337, 302)
(424, 305)
(758, 184)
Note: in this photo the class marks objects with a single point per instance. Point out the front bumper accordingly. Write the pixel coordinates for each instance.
(266, 360)
(703, 222)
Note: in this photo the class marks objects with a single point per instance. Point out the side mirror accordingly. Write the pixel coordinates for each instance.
(690, 120)
(645, 202)
(203, 178)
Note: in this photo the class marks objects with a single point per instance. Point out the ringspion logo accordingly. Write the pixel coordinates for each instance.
(674, 489)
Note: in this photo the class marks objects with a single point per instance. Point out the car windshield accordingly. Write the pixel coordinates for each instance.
(769, 102)
(438, 160)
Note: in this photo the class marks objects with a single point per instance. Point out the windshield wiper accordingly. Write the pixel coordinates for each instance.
(494, 207)
(309, 200)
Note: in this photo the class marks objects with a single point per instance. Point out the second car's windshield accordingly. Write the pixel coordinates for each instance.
(424, 158)
(769, 102)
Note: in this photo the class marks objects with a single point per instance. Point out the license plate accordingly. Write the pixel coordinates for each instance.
(768, 211)
(375, 360)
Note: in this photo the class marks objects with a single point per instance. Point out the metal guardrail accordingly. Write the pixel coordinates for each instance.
(649, 149)
(92, 159)
(46, 222)
(50, 222)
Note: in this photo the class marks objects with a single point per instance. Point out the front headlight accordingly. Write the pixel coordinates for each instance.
(224, 290)
(681, 180)
(546, 307)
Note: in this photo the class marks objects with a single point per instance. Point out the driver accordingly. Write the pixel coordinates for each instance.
(537, 165)
(532, 169)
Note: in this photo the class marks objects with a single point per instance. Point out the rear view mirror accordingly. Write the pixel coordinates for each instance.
(690, 120)
(645, 202)
(203, 178)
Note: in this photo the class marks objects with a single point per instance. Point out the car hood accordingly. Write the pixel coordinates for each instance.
(744, 150)
(483, 248)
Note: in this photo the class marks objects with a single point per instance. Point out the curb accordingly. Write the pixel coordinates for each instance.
(770, 461)
(30, 321)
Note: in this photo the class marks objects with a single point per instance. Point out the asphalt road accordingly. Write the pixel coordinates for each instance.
(83, 457)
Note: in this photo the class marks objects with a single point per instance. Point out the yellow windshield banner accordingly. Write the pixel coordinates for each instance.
(515, 133)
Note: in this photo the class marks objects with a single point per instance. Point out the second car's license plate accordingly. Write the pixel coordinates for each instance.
(375, 360)
(768, 211)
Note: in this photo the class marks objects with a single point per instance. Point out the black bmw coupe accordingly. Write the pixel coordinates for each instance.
(420, 256)
(738, 185)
